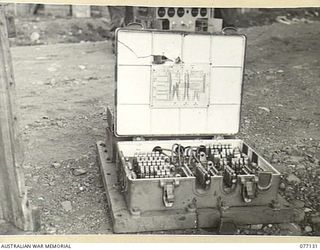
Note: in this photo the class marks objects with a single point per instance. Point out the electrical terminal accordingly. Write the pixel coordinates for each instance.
(202, 162)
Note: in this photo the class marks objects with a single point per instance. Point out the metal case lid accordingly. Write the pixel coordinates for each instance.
(176, 83)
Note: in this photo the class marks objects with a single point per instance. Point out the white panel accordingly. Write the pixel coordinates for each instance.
(228, 50)
(226, 85)
(167, 44)
(196, 49)
(134, 85)
(164, 120)
(137, 115)
(134, 48)
(223, 119)
(193, 121)
(133, 119)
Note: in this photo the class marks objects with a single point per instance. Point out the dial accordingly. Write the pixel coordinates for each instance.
(171, 12)
(194, 12)
(203, 12)
(180, 12)
(161, 12)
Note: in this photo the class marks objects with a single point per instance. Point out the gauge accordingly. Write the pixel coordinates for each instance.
(203, 12)
(194, 12)
(180, 12)
(171, 12)
(161, 12)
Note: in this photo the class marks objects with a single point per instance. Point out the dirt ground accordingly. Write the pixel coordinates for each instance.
(63, 91)
(41, 29)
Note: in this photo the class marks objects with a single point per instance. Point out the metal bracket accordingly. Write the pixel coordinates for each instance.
(138, 138)
(249, 186)
(168, 191)
(218, 137)
(227, 227)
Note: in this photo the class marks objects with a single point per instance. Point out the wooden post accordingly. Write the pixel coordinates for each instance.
(14, 205)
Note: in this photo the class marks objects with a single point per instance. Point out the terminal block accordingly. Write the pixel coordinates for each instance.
(201, 162)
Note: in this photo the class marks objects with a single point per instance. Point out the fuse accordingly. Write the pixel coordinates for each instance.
(236, 152)
(203, 157)
(223, 154)
(254, 167)
(218, 159)
(213, 171)
(242, 161)
(246, 169)
(229, 176)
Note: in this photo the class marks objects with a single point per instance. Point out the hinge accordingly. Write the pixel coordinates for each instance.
(138, 138)
(218, 137)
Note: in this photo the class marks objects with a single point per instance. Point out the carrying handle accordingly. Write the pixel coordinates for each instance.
(135, 25)
(229, 30)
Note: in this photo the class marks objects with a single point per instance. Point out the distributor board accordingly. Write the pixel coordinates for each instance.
(196, 84)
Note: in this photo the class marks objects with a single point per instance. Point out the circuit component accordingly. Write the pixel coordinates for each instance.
(180, 85)
(202, 162)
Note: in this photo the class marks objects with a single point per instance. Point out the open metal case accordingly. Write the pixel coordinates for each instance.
(182, 91)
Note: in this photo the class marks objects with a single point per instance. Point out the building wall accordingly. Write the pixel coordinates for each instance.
(76, 10)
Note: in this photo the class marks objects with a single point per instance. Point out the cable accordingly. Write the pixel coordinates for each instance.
(160, 150)
(173, 150)
(133, 50)
(165, 58)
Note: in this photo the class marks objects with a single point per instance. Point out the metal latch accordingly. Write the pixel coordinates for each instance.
(249, 187)
(168, 192)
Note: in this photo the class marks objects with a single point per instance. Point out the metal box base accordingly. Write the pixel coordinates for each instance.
(125, 221)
